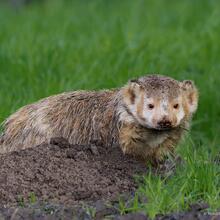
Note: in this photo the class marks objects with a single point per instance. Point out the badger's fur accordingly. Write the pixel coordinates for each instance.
(146, 118)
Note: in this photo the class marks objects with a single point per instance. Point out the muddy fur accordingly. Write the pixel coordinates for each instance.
(103, 117)
(81, 117)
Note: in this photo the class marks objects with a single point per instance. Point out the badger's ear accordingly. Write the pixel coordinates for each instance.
(135, 86)
(191, 94)
(132, 91)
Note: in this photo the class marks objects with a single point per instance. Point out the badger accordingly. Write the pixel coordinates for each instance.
(146, 118)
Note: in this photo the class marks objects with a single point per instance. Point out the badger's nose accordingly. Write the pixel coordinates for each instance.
(165, 123)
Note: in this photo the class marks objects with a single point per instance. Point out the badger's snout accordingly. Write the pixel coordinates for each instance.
(165, 123)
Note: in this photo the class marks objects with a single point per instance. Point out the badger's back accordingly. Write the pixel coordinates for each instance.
(81, 117)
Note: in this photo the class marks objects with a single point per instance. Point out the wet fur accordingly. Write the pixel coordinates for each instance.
(84, 117)
(80, 117)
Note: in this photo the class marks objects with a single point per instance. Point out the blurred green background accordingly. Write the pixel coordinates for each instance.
(47, 47)
(50, 46)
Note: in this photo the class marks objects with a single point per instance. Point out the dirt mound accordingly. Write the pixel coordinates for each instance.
(68, 174)
(62, 181)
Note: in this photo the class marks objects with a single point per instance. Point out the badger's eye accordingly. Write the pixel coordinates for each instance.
(150, 106)
(176, 106)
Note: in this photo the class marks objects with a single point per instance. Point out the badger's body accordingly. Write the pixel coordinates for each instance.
(81, 117)
(136, 117)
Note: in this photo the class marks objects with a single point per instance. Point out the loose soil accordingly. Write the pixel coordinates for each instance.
(68, 174)
(57, 180)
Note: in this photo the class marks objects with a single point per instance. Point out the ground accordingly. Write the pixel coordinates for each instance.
(57, 180)
(69, 45)
(66, 174)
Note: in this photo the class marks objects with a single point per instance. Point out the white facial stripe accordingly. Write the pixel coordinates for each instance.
(148, 114)
(163, 110)
(164, 104)
(134, 106)
(133, 111)
(180, 115)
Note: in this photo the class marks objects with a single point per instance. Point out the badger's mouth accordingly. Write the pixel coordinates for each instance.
(164, 130)
(161, 130)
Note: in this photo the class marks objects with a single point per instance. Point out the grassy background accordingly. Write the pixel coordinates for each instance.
(68, 45)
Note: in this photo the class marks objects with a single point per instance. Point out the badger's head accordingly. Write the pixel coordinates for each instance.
(159, 102)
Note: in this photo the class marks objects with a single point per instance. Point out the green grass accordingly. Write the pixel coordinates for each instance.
(68, 45)
(195, 181)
